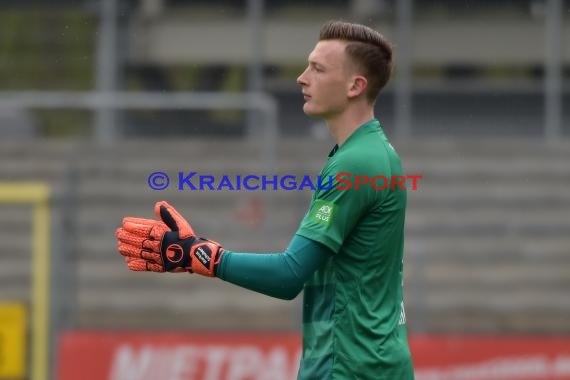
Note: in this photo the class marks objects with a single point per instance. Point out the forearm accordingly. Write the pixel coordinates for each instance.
(281, 275)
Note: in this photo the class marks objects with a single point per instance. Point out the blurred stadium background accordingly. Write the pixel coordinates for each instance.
(97, 95)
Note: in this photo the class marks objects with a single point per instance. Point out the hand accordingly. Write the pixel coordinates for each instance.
(168, 245)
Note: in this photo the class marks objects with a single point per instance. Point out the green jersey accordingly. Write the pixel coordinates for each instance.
(354, 325)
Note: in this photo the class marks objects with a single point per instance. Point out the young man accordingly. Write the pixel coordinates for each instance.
(347, 254)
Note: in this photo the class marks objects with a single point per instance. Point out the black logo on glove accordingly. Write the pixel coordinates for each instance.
(174, 253)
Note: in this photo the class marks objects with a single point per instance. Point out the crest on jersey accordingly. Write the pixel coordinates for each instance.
(323, 212)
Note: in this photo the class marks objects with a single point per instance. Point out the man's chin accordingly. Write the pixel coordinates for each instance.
(309, 111)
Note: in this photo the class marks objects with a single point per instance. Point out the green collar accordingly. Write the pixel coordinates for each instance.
(372, 125)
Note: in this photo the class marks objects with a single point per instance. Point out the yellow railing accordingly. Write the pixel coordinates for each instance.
(37, 194)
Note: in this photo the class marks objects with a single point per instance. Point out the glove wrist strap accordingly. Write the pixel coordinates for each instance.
(193, 254)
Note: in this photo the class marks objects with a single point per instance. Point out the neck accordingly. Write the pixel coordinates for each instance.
(343, 125)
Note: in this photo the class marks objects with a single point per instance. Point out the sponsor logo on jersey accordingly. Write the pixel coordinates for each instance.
(323, 212)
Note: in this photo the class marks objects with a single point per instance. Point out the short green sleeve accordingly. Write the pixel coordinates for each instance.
(335, 210)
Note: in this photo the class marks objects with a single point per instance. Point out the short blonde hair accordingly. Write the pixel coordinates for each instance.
(370, 51)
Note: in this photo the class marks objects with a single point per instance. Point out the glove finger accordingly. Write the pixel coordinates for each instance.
(136, 228)
(137, 252)
(173, 219)
(142, 221)
(128, 250)
(138, 241)
(154, 230)
(140, 265)
(127, 237)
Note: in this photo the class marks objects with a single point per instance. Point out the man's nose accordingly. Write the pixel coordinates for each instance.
(301, 79)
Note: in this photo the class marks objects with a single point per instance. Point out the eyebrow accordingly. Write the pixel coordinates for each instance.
(315, 63)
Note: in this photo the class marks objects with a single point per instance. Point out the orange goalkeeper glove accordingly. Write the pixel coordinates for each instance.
(168, 245)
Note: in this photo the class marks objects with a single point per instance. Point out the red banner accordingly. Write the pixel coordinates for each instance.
(491, 358)
(274, 356)
(164, 356)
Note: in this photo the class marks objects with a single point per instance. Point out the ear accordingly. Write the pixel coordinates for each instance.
(358, 86)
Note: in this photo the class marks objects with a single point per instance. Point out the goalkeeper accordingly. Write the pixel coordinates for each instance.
(347, 254)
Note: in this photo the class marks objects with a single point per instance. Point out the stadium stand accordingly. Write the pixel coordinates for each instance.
(487, 244)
